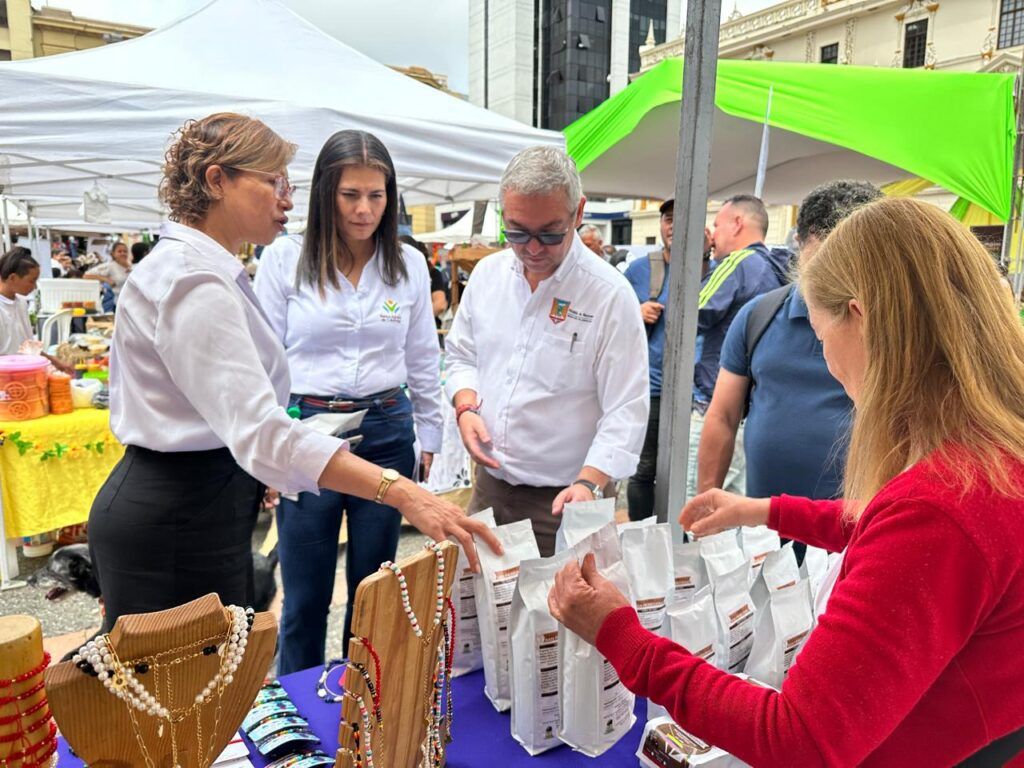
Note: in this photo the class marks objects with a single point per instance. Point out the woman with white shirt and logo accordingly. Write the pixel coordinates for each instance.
(352, 306)
(199, 385)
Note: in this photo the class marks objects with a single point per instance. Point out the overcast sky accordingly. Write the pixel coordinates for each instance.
(428, 33)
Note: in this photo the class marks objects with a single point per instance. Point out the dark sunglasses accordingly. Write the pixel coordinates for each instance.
(522, 237)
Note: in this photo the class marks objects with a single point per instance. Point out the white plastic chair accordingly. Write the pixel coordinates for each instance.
(62, 320)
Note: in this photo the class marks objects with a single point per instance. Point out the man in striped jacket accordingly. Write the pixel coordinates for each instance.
(743, 268)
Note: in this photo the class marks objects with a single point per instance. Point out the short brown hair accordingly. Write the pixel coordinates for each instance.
(225, 139)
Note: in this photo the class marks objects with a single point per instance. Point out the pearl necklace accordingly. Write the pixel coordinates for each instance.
(121, 682)
(403, 588)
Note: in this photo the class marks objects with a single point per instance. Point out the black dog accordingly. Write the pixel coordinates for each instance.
(70, 568)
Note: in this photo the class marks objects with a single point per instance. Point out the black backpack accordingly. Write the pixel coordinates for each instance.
(758, 320)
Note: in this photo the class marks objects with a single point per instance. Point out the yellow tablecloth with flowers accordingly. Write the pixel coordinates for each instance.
(51, 469)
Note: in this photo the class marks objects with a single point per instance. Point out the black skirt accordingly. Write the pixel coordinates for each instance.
(167, 528)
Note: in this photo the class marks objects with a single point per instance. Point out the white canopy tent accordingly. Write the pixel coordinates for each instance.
(461, 230)
(105, 115)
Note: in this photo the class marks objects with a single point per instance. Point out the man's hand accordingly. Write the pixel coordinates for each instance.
(651, 311)
(476, 439)
(271, 499)
(716, 510)
(439, 519)
(426, 462)
(582, 598)
(573, 493)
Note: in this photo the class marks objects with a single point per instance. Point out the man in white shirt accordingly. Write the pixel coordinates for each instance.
(547, 357)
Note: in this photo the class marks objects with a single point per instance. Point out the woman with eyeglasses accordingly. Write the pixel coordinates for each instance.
(199, 385)
(352, 306)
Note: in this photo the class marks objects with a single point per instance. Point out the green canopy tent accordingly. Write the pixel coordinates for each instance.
(953, 128)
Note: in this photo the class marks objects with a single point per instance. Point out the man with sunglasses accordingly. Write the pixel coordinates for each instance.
(547, 357)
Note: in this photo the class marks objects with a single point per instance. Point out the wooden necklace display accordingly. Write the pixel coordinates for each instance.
(407, 660)
(28, 736)
(163, 689)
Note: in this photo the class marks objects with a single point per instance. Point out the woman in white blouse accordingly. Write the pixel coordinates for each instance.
(199, 385)
(353, 308)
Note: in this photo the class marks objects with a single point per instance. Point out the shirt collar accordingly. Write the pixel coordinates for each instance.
(797, 305)
(209, 249)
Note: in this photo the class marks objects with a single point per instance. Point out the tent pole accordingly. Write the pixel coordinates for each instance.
(1005, 256)
(5, 228)
(693, 161)
(762, 159)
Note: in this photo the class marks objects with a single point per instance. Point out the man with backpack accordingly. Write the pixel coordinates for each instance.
(742, 270)
(772, 364)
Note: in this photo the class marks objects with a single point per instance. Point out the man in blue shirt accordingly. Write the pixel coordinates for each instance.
(798, 413)
(742, 270)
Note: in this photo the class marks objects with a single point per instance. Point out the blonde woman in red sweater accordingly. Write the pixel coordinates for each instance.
(918, 659)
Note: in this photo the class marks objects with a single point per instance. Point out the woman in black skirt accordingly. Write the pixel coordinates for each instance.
(199, 384)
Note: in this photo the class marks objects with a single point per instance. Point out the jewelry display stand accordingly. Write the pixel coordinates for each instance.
(25, 722)
(175, 655)
(405, 663)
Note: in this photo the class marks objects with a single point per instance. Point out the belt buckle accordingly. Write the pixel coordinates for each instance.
(333, 405)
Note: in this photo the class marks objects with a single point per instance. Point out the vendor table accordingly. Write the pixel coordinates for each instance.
(50, 471)
(481, 735)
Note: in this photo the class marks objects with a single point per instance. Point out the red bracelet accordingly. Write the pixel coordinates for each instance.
(27, 675)
(467, 408)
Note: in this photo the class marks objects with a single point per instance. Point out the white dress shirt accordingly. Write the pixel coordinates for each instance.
(15, 325)
(195, 366)
(357, 341)
(561, 372)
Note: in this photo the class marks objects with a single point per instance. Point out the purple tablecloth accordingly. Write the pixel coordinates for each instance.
(481, 735)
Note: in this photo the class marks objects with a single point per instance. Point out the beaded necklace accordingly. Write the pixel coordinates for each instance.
(43, 752)
(403, 588)
(99, 659)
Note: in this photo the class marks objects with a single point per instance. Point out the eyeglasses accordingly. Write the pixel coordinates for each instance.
(522, 236)
(282, 186)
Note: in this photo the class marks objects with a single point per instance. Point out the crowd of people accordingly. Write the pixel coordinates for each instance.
(864, 396)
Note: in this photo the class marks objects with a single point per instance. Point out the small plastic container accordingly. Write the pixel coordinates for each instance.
(24, 387)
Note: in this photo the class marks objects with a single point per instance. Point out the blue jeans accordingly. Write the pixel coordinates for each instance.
(308, 537)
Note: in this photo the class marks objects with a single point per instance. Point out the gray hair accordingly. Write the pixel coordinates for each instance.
(591, 229)
(542, 170)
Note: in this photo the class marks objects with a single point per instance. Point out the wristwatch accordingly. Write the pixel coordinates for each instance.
(387, 477)
(594, 488)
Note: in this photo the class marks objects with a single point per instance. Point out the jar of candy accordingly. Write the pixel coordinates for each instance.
(24, 387)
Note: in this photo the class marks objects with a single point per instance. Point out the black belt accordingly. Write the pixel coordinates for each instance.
(385, 399)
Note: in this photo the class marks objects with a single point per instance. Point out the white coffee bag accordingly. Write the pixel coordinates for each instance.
(690, 573)
(647, 555)
(781, 630)
(652, 520)
(722, 553)
(756, 543)
(735, 613)
(666, 745)
(778, 572)
(596, 708)
(815, 569)
(582, 518)
(693, 625)
(494, 588)
(468, 657)
(534, 655)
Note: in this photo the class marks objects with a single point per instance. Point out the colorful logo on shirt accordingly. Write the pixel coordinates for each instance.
(392, 312)
(559, 311)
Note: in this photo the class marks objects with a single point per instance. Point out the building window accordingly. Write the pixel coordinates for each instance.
(915, 42)
(583, 41)
(599, 13)
(5, 55)
(3, 15)
(1011, 23)
(830, 53)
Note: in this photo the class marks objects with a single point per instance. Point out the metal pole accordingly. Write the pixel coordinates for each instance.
(693, 161)
(762, 158)
(1018, 161)
(5, 228)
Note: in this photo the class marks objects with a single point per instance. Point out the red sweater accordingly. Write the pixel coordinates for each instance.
(918, 660)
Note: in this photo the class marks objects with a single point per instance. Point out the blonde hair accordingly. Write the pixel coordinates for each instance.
(227, 139)
(945, 347)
